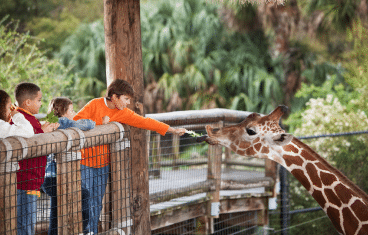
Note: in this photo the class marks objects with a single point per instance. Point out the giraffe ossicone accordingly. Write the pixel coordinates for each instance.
(261, 136)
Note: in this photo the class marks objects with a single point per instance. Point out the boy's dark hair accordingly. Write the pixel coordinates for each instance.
(4, 99)
(24, 91)
(59, 106)
(119, 87)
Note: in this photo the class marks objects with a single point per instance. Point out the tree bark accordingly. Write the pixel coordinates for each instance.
(124, 61)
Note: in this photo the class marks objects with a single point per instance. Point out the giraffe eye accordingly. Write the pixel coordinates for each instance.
(250, 131)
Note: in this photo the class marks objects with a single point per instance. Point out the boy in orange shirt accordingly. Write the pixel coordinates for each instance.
(95, 161)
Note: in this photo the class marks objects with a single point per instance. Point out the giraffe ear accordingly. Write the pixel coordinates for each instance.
(282, 139)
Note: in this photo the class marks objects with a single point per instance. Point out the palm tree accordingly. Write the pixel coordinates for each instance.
(187, 49)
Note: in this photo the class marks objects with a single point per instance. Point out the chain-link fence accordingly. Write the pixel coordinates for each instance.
(86, 188)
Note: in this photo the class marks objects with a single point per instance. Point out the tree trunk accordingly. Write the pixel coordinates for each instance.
(124, 61)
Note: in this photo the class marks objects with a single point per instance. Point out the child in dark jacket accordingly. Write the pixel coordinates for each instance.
(63, 108)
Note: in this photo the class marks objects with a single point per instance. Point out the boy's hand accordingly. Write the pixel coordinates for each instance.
(105, 120)
(178, 131)
(49, 127)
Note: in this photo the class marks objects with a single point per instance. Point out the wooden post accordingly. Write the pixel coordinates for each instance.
(227, 158)
(271, 171)
(124, 61)
(120, 185)
(8, 193)
(214, 175)
(156, 153)
(175, 147)
(69, 198)
(106, 209)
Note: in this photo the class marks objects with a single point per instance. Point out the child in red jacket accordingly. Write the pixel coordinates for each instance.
(30, 175)
(95, 161)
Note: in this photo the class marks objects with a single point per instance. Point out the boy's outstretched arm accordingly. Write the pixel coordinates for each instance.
(177, 131)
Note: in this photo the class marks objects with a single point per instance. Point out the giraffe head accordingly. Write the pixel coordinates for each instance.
(255, 136)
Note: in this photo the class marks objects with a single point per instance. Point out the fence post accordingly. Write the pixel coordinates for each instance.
(214, 175)
(69, 198)
(68, 187)
(175, 146)
(106, 208)
(156, 155)
(271, 171)
(227, 158)
(8, 192)
(120, 183)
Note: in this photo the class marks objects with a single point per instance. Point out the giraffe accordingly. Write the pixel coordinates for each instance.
(261, 136)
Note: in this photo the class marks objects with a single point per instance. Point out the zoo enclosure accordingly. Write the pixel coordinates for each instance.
(214, 184)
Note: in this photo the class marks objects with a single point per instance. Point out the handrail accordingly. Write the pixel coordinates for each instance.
(110, 133)
(200, 116)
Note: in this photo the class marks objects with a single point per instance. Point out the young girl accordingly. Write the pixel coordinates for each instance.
(63, 108)
(21, 127)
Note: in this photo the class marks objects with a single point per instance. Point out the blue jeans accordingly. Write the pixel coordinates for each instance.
(94, 180)
(49, 187)
(27, 212)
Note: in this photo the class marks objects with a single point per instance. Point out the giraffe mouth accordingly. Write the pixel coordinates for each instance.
(207, 139)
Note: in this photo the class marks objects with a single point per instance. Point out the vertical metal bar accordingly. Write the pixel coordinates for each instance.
(284, 193)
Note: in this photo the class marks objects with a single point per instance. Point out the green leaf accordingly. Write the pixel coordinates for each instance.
(192, 134)
(51, 118)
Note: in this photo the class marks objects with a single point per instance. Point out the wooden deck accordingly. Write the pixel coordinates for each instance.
(172, 184)
(252, 197)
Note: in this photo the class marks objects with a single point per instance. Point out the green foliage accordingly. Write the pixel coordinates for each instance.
(53, 31)
(22, 61)
(186, 48)
(51, 118)
(338, 13)
(84, 52)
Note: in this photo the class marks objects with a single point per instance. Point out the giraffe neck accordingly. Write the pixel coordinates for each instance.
(344, 203)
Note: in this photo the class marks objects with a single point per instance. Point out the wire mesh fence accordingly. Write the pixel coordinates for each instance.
(196, 188)
(66, 182)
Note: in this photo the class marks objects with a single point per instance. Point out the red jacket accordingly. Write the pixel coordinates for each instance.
(30, 175)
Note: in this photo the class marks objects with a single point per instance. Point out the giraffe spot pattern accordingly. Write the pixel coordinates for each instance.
(233, 147)
(334, 217)
(256, 140)
(318, 195)
(343, 193)
(360, 210)
(250, 151)
(363, 230)
(313, 175)
(299, 174)
(265, 150)
(328, 179)
(290, 148)
(258, 147)
(289, 160)
(241, 152)
(332, 198)
(350, 223)
(244, 145)
(307, 156)
(321, 166)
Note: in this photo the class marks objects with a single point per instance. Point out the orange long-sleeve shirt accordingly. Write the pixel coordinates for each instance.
(95, 110)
